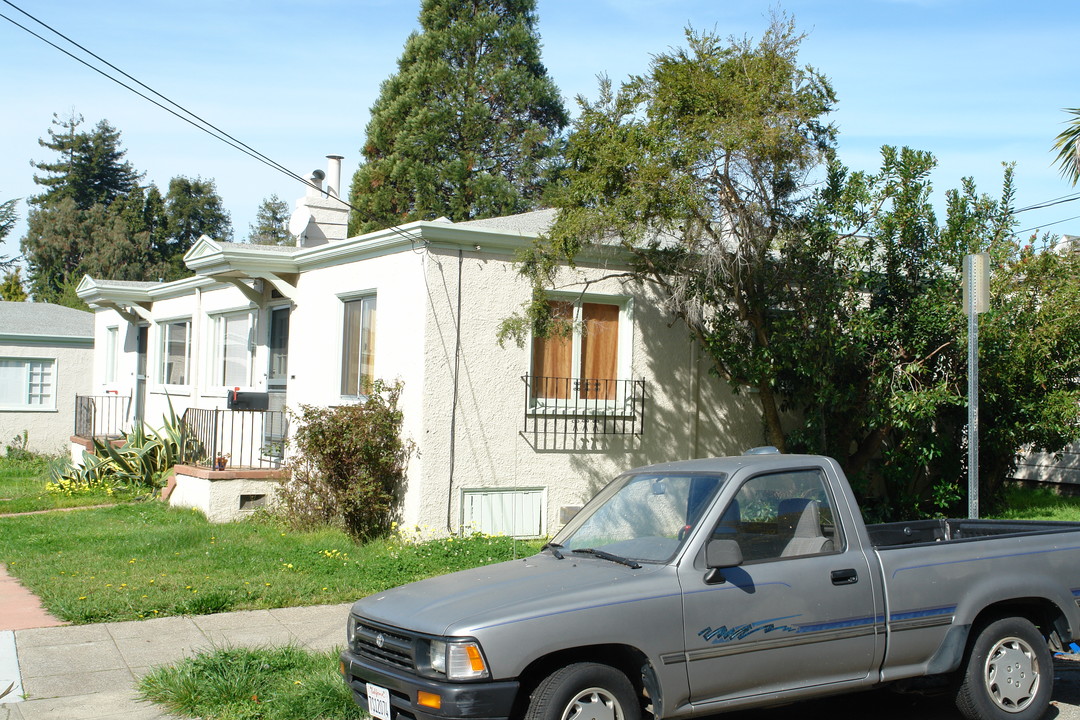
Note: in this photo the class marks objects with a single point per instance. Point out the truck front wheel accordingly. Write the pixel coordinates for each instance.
(1009, 673)
(584, 691)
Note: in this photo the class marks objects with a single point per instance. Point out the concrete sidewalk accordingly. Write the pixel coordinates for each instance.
(88, 672)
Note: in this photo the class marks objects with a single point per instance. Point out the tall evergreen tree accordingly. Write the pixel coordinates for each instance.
(271, 223)
(469, 125)
(90, 169)
(8, 216)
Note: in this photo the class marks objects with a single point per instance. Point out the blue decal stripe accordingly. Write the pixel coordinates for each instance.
(987, 557)
(839, 624)
(925, 612)
(1076, 592)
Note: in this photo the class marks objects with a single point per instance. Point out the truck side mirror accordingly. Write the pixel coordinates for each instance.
(721, 554)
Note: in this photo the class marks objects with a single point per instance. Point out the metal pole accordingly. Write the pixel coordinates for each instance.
(973, 410)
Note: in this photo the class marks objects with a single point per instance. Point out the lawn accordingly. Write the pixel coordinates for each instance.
(1039, 504)
(143, 560)
(22, 488)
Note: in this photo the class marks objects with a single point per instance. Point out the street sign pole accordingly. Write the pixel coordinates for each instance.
(976, 300)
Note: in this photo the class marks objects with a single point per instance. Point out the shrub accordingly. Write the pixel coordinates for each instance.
(348, 469)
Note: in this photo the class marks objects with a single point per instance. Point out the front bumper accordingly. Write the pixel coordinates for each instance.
(474, 701)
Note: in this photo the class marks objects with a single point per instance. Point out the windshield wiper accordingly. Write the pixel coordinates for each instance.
(607, 556)
(554, 548)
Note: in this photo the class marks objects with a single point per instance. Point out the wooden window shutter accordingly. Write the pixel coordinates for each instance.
(599, 351)
(553, 357)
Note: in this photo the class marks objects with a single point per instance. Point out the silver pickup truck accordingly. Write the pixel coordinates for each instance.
(703, 586)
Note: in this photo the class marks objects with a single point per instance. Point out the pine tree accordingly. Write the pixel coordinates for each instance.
(271, 223)
(91, 168)
(8, 216)
(469, 125)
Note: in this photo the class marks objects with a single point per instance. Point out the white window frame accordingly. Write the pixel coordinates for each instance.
(219, 343)
(47, 367)
(163, 347)
(112, 352)
(346, 298)
(621, 404)
(519, 497)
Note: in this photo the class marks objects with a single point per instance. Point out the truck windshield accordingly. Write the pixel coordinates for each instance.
(643, 517)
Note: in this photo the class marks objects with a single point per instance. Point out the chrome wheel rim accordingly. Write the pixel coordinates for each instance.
(593, 704)
(1012, 674)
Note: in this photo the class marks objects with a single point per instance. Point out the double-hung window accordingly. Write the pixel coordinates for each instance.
(175, 352)
(585, 363)
(233, 348)
(112, 352)
(27, 384)
(358, 345)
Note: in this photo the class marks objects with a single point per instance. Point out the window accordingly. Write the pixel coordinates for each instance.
(27, 384)
(781, 515)
(112, 352)
(175, 352)
(278, 343)
(584, 365)
(517, 512)
(233, 349)
(358, 345)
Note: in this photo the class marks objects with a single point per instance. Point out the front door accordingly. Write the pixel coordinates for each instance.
(141, 342)
(798, 612)
(277, 382)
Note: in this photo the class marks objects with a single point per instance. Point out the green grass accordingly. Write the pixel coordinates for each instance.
(265, 684)
(1039, 504)
(22, 488)
(135, 561)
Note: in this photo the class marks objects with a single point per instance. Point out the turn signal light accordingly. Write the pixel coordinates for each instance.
(430, 700)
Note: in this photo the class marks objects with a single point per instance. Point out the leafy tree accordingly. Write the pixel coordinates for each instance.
(90, 169)
(1068, 146)
(192, 209)
(11, 289)
(467, 127)
(839, 308)
(271, 223)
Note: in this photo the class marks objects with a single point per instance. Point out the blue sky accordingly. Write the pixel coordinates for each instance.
(976, 83)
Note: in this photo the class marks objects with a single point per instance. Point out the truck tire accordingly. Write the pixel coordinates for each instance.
(584, 691)
(1009, 674)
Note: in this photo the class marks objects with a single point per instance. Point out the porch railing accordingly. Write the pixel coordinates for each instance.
(101, 416)
(235, 439)
(583, 406)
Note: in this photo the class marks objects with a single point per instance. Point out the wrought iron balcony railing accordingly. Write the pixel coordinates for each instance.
(583, 406)
(101, 416)
(235, 439)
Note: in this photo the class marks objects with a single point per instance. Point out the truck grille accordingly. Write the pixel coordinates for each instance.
(386, 644)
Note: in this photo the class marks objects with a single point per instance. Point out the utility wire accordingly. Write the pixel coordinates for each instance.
(192, 118)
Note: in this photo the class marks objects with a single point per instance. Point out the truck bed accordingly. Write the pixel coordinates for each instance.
(886, 535)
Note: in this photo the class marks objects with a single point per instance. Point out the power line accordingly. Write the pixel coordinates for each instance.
(1039, 227)
(189, 117)
(1038, 206)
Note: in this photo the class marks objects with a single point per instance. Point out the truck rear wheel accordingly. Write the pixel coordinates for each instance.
(584, 691)
(1009, 673)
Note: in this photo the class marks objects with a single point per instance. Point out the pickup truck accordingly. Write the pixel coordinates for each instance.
(704, 586)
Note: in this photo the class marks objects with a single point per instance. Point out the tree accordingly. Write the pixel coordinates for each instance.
(192, 209)
(467, 127)
(8, 218)
(698, 167)
(1068, 146)
(271, 223)
(839, 308)
(91, 168)
(11, 289)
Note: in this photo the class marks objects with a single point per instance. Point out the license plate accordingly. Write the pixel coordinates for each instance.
(378, 702)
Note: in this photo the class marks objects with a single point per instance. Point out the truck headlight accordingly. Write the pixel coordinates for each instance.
(457, 660)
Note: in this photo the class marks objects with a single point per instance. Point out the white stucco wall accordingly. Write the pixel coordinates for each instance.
(48, 430)
(688, 413)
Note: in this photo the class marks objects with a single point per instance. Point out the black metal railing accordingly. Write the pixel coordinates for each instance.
(101, 416)
(235, 439)
(583, 407)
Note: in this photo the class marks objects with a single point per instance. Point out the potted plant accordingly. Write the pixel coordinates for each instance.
(221, 461)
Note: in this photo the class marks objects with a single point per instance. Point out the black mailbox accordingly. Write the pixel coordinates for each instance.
(248, 400)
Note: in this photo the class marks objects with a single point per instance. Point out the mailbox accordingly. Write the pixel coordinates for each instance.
(247, 400)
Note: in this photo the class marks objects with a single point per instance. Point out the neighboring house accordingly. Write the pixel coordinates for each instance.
(509, 439)
(46, 359)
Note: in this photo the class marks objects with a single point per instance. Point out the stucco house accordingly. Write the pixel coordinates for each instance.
(510, 439)
(46, 359)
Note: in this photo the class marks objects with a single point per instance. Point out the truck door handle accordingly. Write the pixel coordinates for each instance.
(845, 577)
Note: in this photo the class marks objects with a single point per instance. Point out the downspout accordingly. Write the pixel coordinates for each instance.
(453, 407)
(695, 401)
